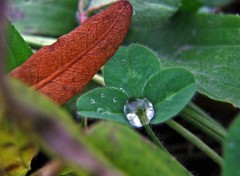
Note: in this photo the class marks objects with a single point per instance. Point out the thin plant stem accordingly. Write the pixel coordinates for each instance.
(154, 137)
(144, 120)
(203, 128)
(38, 41)
(204, 122)
(197, 109)
(99, 79)
(196, 141)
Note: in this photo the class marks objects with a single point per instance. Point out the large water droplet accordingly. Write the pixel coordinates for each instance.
(139, 112)
(92, 101)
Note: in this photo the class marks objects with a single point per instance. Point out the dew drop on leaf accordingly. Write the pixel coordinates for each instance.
(100, 110)
(123, 61)
(114, 99)
(92, 101)
(137, 109)
(122, 89)
(102, 95)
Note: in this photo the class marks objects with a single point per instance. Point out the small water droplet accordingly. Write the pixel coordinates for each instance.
(102, 95)
(123, 61)
(115, 100)
(150, 85)
(100, 110)
(92, 101)
(137, 109)
(122, 89)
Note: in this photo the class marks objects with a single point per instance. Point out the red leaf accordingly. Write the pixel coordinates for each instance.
(63, 69)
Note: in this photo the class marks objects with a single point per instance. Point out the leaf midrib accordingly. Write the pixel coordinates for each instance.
(70, 63)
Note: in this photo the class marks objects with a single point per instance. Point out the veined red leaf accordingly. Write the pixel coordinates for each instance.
(62, 69)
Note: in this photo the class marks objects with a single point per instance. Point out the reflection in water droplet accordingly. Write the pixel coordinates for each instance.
(122, 89)
(92, 101)
(139, 108)
(102, 95)
(114, 99)
(123, 61)
(150, 85)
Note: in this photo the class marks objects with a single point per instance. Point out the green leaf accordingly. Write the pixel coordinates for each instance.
(147, 13)
(37, 111)
(130, 68)
(215, 2)
(106, 144)
(133, 154)
(207, 46)
(17, 49)
(231, 150)
(71, 104)
(190, 6)
(169, 91)
(45, 17)
(153, 12)
(103, 103)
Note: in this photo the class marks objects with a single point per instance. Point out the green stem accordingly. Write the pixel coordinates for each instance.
(154, 137)
(205, 115)
(196, 141)
(159, 144)
(38, 41)
(99, 79)
(203, 128)
(197, 117)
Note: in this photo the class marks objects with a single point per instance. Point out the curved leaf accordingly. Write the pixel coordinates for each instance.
(103, 103)
(130, 68)
(63, 69)
(53, 128)
(169, 91)
(147, 13)
(44, 17)
(133, 154)
(16, 48)
(207, 46)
